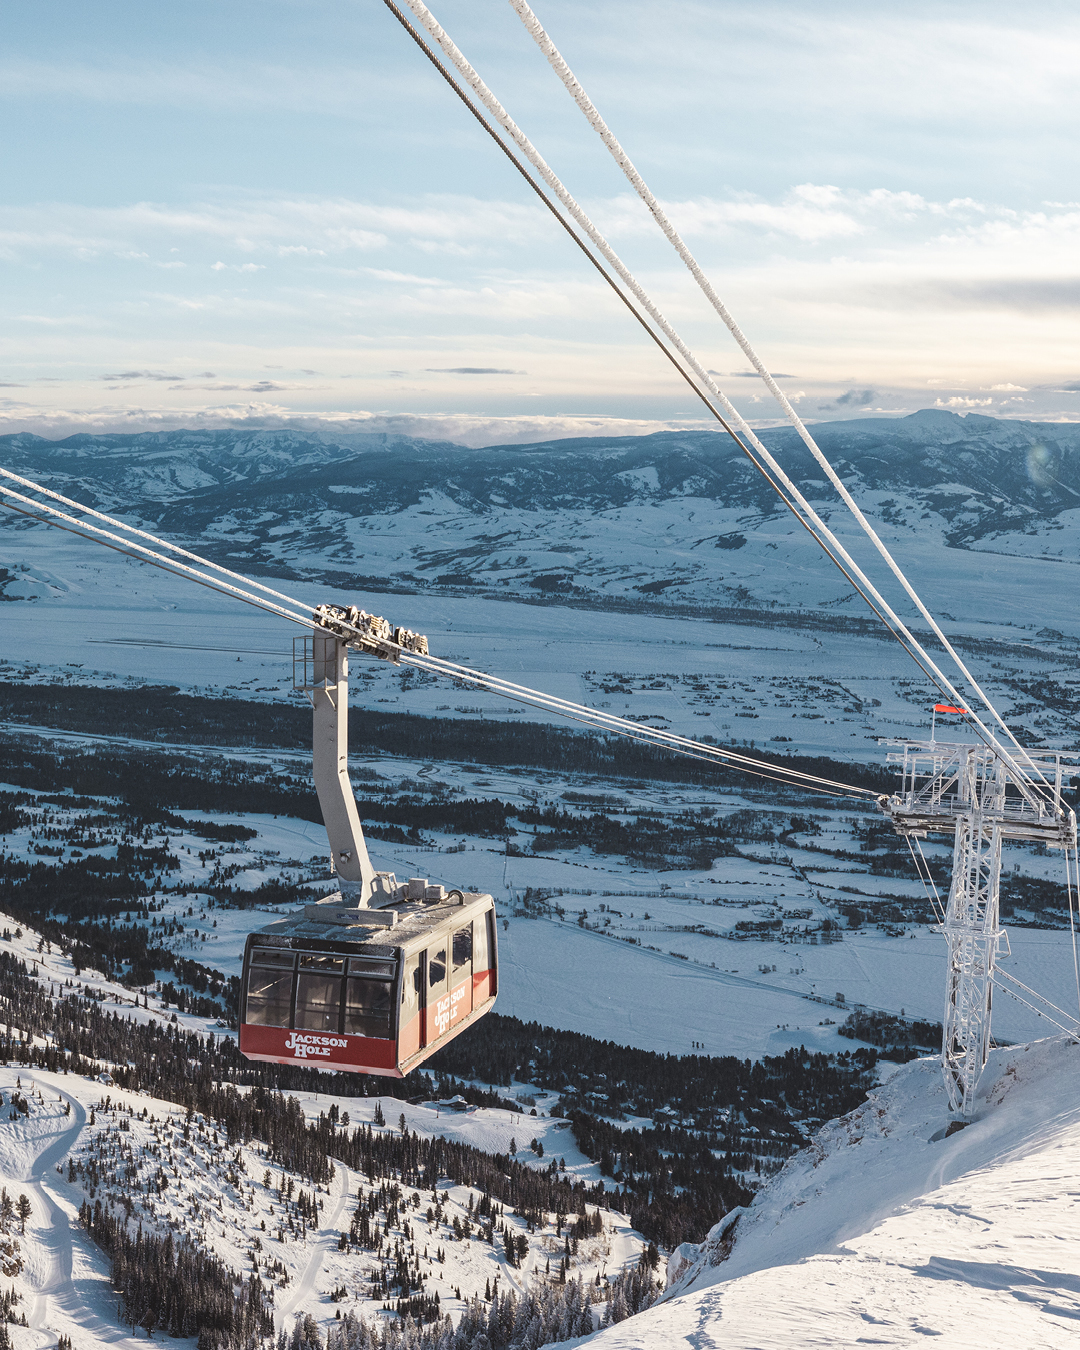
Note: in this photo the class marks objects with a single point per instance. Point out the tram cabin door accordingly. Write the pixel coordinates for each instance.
(436, 989)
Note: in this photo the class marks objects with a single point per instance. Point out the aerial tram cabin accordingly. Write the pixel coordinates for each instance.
(375, 977)
(328, 989)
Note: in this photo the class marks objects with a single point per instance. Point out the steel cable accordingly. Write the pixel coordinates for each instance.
(1033, 992)
(896, 625)
(142, 534)
(303, 615)
(608, 721)
(134, 550)
(1037, 1011)
(596, 121)
(665, 327)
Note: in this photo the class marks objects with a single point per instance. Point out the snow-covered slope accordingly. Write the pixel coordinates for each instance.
(883, 1232)
(66, 1140)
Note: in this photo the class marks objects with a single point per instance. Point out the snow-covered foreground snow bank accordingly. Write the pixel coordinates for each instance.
(875, 1235)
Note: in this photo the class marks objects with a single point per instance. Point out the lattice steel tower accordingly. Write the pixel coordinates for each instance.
(981, 795)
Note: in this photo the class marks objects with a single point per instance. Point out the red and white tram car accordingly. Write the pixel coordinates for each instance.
(374, 991)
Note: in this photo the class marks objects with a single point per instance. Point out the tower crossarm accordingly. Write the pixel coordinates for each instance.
(945, 782)
(1053, 831)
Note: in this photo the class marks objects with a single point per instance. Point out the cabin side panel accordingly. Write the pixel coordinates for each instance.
(320, 1050)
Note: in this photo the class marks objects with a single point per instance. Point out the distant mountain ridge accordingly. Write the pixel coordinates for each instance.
(374, 509)
(1010, 468)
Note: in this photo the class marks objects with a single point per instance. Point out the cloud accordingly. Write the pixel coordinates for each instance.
(1009, 388)
(387, 274)
(472, 370)
(926, 285)
(297, 228)
(751, 374)
(184, 83)
(854, 398)
(128, 375)
(1030, 295)
(461, 428)
(809, 212)
(259, 387)
(222, 267)
(959, 401)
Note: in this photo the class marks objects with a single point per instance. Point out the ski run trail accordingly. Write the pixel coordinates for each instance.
(66, 1286)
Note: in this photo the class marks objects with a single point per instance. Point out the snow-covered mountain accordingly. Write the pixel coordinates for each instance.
(885, 1229)
(980, 473)
(885, 1232)
(879, 1232)
(675, 521)
(85, 1154)
(459, 516)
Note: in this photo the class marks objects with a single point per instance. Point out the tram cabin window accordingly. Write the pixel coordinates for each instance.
(318, 993)
(480, 945)
(367, 1002)
(412, 986)
(269, 992)
(436, 967)
(462, 948)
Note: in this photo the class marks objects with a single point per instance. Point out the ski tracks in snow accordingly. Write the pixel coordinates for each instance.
(82, 1299)
(328, 1239)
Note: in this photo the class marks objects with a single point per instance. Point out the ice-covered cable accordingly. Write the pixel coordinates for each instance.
(141, 534)
(649, 319)
(929, 875)
(610, 722)
(1069, 1031)
(596, 121)
(1033, 992)
(302, 615)
(926, 879)
(133, 549)
(821, 530)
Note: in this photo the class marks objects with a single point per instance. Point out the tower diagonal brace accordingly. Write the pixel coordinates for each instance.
(974, 936)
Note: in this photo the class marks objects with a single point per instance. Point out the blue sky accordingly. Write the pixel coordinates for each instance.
(275, 213)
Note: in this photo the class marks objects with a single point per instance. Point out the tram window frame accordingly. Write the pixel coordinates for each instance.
(412, 987)
(267, 959)
(481, 946)
(357, 1018)
(321, 967)
(273, 956)
(493, 962)
(374, 967)
(258, 1002)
